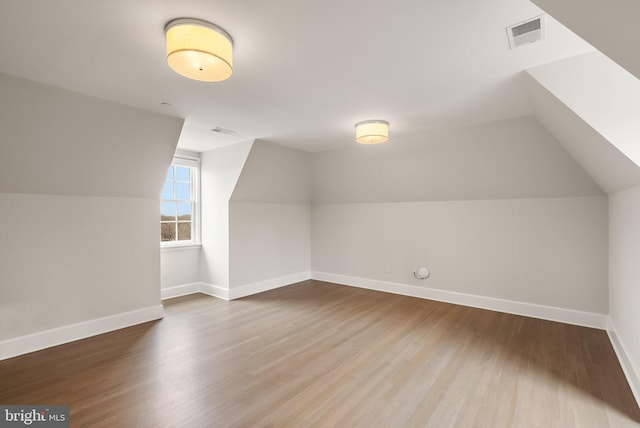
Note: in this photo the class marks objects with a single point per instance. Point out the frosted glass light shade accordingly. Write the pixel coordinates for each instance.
(372, 131)
(199, 50)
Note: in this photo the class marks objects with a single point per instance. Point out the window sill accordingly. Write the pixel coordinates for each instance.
(180, 247)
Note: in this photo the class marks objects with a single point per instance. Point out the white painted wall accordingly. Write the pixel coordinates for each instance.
(179, 266)
(498, 210)
(60, 142)
(65, 259)
(269, 241)
(274, 173)
(270, 216)
(609, 26)
(542, 251)
(80, 179)
(605, 97)
(219, 172)
(624, 277)
(602, 93)
(515, 158)
(608, 166)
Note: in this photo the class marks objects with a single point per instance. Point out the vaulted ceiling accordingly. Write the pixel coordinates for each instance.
(304, 71)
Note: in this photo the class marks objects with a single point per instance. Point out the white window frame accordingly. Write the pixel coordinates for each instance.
(192, 162)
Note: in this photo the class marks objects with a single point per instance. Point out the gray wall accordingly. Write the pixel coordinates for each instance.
(80, 179)
(609, 26)
(624, 278)
(498, 210)
(270, 215)
(514, 158)
(605, 97)
(543, 251)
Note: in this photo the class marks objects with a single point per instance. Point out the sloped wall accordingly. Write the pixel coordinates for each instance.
(609, 26)
(607, 165)
(219, 173)
(499, 210)
(270, 217)
(508, 159)
(591, 105)
(602, 93)
(59, 142)
(80, 179)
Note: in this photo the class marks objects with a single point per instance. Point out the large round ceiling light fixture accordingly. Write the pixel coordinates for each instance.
(199, 50)
(372, 131)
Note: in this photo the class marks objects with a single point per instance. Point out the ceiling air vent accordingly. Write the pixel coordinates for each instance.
(223, 130)
(526, 32)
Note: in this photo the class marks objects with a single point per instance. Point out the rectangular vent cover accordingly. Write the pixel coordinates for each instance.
(526, 32)
(220, 130)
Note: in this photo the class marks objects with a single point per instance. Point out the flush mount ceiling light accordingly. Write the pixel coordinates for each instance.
(199, 50)
(372, 131)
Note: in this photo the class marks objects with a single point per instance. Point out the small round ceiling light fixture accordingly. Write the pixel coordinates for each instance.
(372, 131)
(199, 50)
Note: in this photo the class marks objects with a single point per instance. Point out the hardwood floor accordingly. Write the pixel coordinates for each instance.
(319, 354)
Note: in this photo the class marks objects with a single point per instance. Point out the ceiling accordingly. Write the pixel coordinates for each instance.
(304, 71)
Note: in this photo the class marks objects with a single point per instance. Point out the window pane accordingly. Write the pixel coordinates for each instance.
(183, 192)
(184, 231)
(167, 190)
(177, 207)
(167, 211)
(183, 173)
(184, 211)
(167, 232)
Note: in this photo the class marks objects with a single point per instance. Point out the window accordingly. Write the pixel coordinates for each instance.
(178, 206)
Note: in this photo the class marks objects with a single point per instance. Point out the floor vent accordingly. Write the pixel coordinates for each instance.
(526, 32)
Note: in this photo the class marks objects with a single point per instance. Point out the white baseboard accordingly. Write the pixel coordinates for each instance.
(270, 284)
(630, 371)
(568, 316)
(214, 290)
(193, 288)
(70, 333)
(180, 290)
(235, 292)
